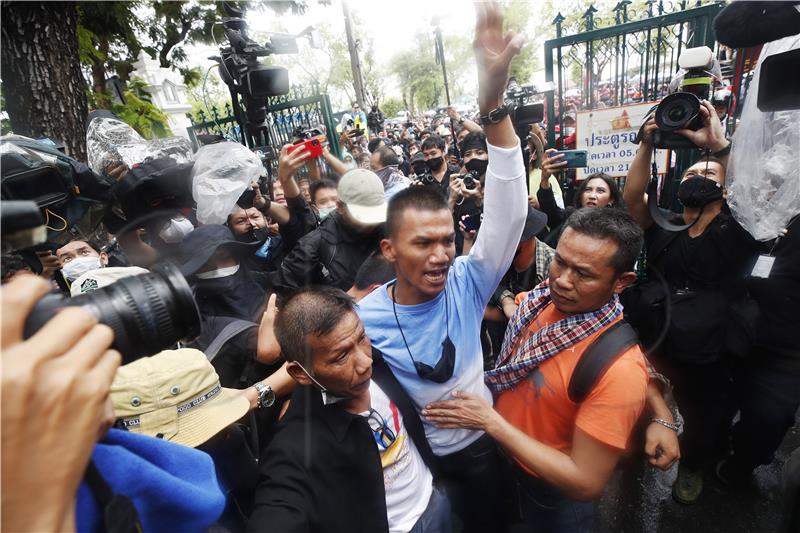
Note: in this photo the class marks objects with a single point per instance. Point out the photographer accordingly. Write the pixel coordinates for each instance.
(704, 267)
(375, 120)
(434, 149)
(466, 190)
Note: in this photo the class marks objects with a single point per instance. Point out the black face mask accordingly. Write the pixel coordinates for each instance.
(435, 163)
(447, 360)
(444, 367)
(254, 235)
(699, 191)
(477, 165)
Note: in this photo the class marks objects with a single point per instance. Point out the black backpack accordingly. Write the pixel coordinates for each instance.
(599, 357)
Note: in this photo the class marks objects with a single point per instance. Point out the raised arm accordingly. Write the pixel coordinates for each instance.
(635, 195)
(505, 203)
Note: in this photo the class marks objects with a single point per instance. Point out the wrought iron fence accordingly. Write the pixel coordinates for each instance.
(629, 62)
(303, 107)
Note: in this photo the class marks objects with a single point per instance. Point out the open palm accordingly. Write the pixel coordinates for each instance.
(493, 52)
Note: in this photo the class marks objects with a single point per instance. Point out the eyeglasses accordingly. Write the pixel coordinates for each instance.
(384, 436)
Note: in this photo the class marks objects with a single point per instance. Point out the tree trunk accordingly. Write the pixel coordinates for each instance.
(43, 86)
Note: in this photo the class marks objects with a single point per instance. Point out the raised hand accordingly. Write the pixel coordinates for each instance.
(493, 52)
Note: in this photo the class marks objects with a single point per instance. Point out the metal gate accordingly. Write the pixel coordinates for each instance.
(629, 62)
(303, 107)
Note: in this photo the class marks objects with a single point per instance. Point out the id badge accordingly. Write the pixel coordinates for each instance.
(763, 266)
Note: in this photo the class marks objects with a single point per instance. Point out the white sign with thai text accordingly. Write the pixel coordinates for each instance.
(607, 135)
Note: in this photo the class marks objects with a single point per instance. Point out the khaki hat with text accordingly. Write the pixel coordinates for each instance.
(175, 395)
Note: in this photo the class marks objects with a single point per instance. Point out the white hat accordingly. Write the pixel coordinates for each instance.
(362, 191)
(101, 277)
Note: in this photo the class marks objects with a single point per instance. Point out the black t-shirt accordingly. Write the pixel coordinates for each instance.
(778, 297)
(719, 256)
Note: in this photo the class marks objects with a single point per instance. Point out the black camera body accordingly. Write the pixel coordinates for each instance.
(470, 180)
(680, 109)
(426, 178)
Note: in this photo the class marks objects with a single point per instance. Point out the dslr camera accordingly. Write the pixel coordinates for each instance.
(680, 109)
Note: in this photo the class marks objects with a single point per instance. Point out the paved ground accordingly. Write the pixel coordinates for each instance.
(719, 510)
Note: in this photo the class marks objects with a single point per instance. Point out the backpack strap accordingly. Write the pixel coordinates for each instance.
(233, 328)
(599, 357)
(119, 513)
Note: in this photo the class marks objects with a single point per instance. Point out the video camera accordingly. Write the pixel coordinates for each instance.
(524, 114)
(680, 109)
(245, 75)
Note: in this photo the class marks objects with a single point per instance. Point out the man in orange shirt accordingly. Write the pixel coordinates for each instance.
(564, 451)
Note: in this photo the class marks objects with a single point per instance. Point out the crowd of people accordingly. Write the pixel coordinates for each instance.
(420, 334)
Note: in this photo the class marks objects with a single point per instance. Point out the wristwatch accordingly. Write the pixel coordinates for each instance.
(497, 114)
(266, 396)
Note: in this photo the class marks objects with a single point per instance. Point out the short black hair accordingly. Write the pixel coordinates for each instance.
(375, 270)
(613, 190)
(309, 311)
(614, 224)
(317, 185)
(422, 198)
(434, 141)
(474, 139)
(374, 143)
(387, 156)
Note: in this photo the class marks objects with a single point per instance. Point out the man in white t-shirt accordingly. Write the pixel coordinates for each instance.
(349, 454)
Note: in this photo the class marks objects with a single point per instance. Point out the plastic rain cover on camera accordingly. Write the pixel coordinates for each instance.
(110, 141)
(221, 173)
(763, 173)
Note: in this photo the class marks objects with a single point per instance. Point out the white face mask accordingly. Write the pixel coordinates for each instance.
(218, 273)
(326, 211)
(175, 230)
(80, 266)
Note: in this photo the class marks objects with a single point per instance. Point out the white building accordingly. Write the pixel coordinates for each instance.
(168, 92)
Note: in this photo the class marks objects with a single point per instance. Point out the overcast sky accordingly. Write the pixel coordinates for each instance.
(390, 24)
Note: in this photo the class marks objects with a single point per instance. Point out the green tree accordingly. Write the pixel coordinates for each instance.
(391, 106)
(140, 113)
(420, 77)
(108, 40)
(517, 18)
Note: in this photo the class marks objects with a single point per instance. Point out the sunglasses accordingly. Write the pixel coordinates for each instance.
(384, 436)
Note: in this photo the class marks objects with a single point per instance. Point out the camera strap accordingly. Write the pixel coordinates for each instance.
(652, 204)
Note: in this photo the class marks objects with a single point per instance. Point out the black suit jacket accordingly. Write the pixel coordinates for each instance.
(322, 471)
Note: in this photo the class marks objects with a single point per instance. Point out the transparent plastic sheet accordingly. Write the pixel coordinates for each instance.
(764, 168)
(111, 141)
(221, 173)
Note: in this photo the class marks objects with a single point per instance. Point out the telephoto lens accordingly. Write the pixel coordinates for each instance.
(148, 313)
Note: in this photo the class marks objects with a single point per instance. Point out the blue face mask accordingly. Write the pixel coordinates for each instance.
(326, 211)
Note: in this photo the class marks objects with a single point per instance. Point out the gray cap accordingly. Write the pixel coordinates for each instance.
(362, 191)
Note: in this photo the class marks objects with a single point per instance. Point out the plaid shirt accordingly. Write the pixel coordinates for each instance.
(517, 361)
